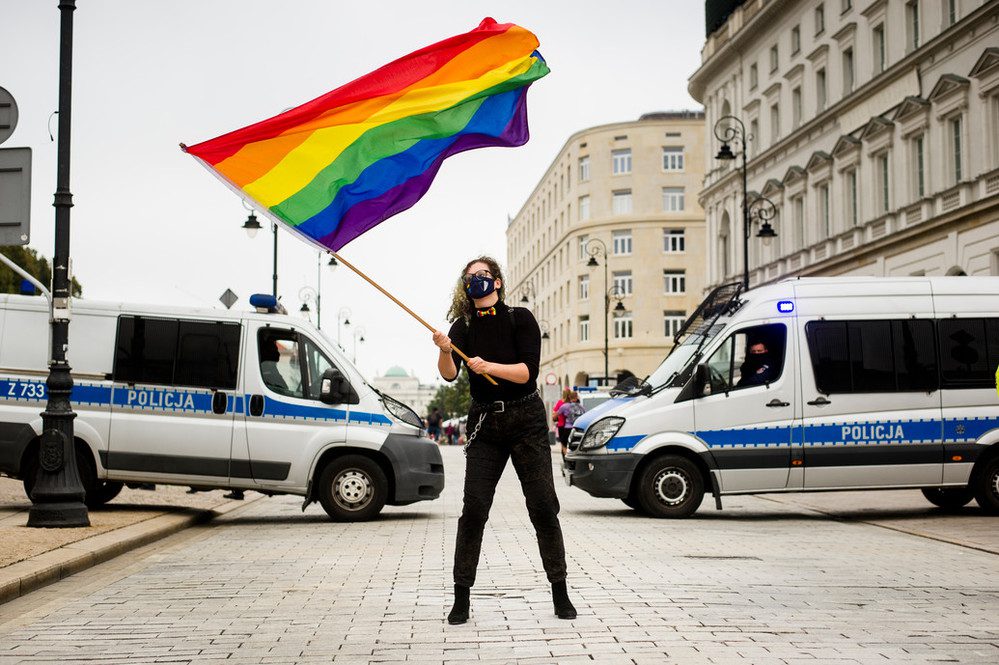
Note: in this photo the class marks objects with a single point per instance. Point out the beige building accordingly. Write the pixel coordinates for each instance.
(623, 195)
(874, 129)
(398, 383)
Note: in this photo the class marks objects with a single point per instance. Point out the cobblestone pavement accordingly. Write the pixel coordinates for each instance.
(764, 581)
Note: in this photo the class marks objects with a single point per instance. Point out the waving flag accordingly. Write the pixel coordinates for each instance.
(337, 166)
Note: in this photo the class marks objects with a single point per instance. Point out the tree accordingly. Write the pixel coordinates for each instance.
(453, 399)
(32, 263)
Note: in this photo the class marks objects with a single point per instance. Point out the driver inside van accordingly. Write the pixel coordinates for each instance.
(269, 372)
(759, 367)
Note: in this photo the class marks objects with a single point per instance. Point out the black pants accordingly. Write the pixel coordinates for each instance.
(520, 433)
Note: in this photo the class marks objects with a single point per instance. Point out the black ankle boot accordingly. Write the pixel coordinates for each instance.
(459, 613)
(560, 597)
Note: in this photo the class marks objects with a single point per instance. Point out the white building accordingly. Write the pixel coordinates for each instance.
(874, 129)
(398, 383)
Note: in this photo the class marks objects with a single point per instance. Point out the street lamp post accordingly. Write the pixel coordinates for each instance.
(727, 133)
(251, 226)
(358, 333)
(597, 250)
(342, 317)
(526, 292)
(763, 210)
(58, 495)
(308, 294)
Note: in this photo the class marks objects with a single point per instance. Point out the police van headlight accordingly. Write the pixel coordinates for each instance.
(401, 412)
(601, 432)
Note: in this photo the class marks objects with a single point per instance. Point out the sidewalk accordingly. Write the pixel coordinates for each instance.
(31, 558)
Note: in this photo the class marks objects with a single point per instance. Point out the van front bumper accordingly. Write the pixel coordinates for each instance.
(606, 476)
(417, 467)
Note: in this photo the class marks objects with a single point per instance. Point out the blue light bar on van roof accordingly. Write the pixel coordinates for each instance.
(264, 302)
(785, 306)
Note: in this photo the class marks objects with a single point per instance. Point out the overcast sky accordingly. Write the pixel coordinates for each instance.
(152, 225)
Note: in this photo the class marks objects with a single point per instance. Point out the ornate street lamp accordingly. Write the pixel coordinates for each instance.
(597, 250)
(527, 292)
(251, 226)
(730, 133)
(58, 495)
(342, 318)
(358, 337)
(763, 210)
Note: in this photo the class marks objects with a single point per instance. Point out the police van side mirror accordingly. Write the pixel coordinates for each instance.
(702, 381)
(333, 387)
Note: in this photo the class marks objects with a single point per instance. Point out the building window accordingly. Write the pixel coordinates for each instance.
(798, 217)
(622, 242)
(918, 166)
(675, 282)
(584, 287)
(672, 158)
(879, 48)
(824, 220)
(582, 247)
(884, 183)
(584, 328)
(754, 76)
(621, 202)
(623, 327)
(912, 25)
(951, 12)
(851, 196)
(956, 149)
(795, 40)
(820, 19)
(796, 107)
(846, 5)
(774, 124)
(673, 321)
(622, 282)
(584, 169)
(820, 89)
(584, 208)
(774, 60)
(847, 71)
(621, 160)
(674, 241)
(673, 199)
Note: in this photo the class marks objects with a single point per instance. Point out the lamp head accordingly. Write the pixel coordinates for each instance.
(251, 225)
(619, 307)
(304, 308)
(767, 233)
(333, 263)
(725, 153)
(592, 263)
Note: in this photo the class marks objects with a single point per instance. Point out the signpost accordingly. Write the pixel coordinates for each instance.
(15, 179)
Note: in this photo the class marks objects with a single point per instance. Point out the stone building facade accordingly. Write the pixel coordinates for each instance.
(625, 195)
(874, 130)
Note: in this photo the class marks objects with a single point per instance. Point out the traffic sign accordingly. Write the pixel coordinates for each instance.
(551, 379)
(8, 115)
(15, 195)
(228, 298)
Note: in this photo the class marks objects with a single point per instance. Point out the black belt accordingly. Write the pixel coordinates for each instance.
(499, 406)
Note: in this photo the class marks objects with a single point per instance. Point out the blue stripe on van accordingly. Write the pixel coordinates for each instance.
(624, 442)
(184, 401)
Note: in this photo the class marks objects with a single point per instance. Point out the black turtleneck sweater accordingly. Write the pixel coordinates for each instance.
(499, 338)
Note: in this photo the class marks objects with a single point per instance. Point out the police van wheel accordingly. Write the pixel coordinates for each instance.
(987, 487)
(352, 488)
(671, 486)
(948, 498)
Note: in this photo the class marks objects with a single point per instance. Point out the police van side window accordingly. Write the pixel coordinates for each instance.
(969, 352)
(280, 369)
(196, 354)
(316, 363)
(872, 356)
(749, 357)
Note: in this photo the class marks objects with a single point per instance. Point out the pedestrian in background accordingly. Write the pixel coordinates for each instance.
(558, 418)
(505, 421)
(434, 424)
(569, 412)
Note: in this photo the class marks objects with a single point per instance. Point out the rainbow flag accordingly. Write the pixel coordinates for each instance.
(344, 162)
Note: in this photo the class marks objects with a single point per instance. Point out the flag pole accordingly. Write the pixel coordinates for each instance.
(400, 304)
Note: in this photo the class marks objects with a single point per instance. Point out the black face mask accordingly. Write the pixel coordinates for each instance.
(480, 287)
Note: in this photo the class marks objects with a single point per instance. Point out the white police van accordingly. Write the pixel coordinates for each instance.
(806, 385)
(244, 400)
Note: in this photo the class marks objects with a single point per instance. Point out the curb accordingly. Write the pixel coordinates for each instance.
(26, 576)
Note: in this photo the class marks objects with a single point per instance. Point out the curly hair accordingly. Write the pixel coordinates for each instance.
(461, 304)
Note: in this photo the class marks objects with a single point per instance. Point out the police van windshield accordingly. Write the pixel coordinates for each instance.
(674, 369)
(700, 328)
